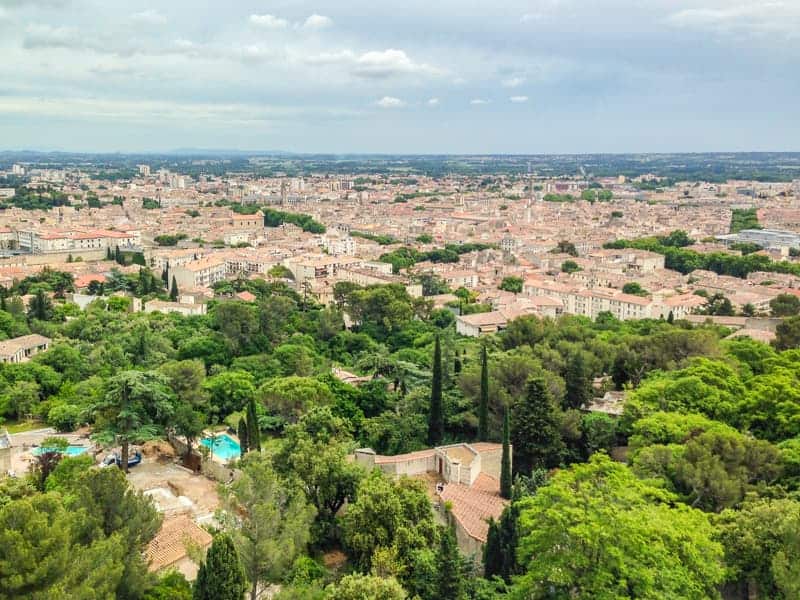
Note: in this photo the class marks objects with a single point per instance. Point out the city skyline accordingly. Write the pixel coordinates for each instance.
(551, 76)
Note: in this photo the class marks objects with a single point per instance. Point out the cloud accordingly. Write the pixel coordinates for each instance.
(757, 18)
(513, 82)
(149, 17)
(433, 102)
(317, 22)
(47, 36)
(390, 62)
(518, 99)
(542, 10)
(390, 102)
(269, 21)
(478, 101)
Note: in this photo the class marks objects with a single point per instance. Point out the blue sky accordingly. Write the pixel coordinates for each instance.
(442, 76)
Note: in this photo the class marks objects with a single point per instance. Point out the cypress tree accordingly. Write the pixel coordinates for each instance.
(436, 416)
(253, 431)
(578, 381)
(3, 302)
(241, 431)
(505, 463)
(671, 318)
(483, 406)
(500, 552)
(493, 551)
(450, 568)
(118, 255)
(221, 576)
(173, 291)
(109, 255)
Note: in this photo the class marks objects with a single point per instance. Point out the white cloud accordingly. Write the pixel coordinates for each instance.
(518, 99)
(513, 82)
(150, 17)
(269, 21)
(317, 22)
(390, 102)
(541, 10)
(478, 101)
(758, 18)
(387, 63)
(433, 102)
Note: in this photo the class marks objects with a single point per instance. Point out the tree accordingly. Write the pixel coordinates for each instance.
(634, 288)
(173, 290)
(483, 403)
(135, 407)
(785, 305)
(599, 432)
(436, 414)
(449, 566)
(51, 452)
(316, 451)
(535, 429)
(40, 307)
(394, 515)
(268, 520)
(253, 428)
(229, 391)
(569, 266)
(596, 531)
(787, 334)
(365, 587)
(241, 431)
(291, 397)
(511, 284)
(757, 539)
(500, 551)
(505, 461)
(578, 381)
(221, 576)
(171, 586)
(111, 508)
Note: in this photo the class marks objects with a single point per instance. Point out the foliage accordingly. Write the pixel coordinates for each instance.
(220, 576)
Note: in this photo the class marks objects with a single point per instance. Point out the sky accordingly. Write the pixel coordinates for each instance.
(427, 77)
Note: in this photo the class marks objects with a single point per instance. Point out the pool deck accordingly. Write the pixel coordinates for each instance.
(23, 443)
(213, 455)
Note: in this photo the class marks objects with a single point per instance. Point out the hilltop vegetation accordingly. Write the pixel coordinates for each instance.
(711, 427)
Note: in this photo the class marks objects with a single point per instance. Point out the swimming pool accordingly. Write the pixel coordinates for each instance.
(70, 450)
(225, 447)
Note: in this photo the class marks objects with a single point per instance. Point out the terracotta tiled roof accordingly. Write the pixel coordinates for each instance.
(169, 545)
(473, 506)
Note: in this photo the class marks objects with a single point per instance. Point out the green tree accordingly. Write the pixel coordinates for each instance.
(268, 520)
(241, 431)
(229, 391)
(578, 381)
(596, 531)
(535, 429)
(171, 586)
(511, 284)
(787, 334)
(785, 305)
(173, 290)
(253, 428)
(505, 461)
(483, 402)
(436, 414)
(569, 266)
(40, 307)
(365, 587)
(449, 566)
(316, 451)
(135, 408)
(500, 551)
(221, 576)
(291, 397)
(634, 288)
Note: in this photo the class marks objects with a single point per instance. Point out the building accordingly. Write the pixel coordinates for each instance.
(467, 489)
(182, 308)
(21, 349)
(171, 546)
(199, 273)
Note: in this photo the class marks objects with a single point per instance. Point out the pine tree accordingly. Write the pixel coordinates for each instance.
(483, 406)
(173, 291)
(253, 430)
(241, 430)
(505, 463)
(450, 568)
(536, 429)
(221, 576)
(436, 416)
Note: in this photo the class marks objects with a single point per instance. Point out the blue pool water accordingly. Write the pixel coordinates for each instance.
(225, 447)
(70, 451)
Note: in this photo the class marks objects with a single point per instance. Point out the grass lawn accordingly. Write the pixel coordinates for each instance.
(20, 426)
